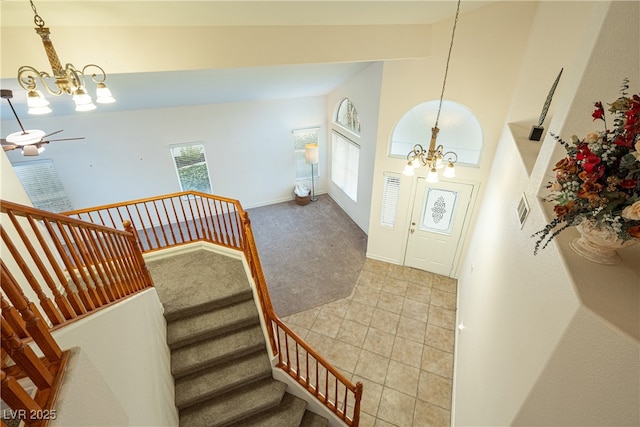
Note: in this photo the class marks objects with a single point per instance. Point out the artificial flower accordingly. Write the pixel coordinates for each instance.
(599, 179)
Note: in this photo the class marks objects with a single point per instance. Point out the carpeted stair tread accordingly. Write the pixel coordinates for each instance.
(211, 323)
(235, 406)
(196, 278)
(203, 354)
(288, 413)
(220, 379)
(311, 419)
(174, 312)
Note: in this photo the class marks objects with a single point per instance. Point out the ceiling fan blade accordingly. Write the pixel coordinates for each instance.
(52, 133)
(7, 146)
(62, 139)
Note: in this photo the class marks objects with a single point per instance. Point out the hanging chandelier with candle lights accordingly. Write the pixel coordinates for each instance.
(435, 157)
(68, 80)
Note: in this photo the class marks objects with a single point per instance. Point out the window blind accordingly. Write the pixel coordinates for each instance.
(43, 186)
(390, 199)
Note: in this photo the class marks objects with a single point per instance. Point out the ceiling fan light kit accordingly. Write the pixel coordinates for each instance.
(30, 141)
(68, 80)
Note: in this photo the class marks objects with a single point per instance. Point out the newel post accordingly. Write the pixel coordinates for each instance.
(135, 245)
(356, 409)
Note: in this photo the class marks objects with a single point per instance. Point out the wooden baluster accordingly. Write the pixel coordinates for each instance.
(202, 218)
(218, 222)
(130, 261)
(127, 280)
(93, 264)
(76, 266)
(16, 396)
(206, 209)
(143, 228)
(85, 263)
(161, 225)
(10, 313)
(170, 222)
(193, 219)
(212, 218)
(25, 357)
(133, 241)
(186, 221)
(45, 302)
(77, 298)
(118, 284)
(33, 323)
(153, 228)
(98, 243)
(63, 303)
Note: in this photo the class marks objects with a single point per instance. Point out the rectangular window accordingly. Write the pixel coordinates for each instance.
(191, 166)
(345, 157)
(302, 137)
(390, 199)
(43, 186)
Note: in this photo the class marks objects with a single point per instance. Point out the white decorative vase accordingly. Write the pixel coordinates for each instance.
(599, 244)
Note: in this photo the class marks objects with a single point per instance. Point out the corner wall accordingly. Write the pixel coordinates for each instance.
(127, 345)
(551, 339)
(485, 63)
(364, 91)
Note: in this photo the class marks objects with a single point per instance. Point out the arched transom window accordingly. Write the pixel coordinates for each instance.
(460, 131)
(347, 116)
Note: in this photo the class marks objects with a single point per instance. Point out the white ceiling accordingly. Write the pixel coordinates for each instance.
(220, 85)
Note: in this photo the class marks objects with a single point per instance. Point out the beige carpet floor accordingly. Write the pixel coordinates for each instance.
(311, 255)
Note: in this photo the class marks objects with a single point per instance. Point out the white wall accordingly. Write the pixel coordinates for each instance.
(249, 148)
(127, 344)
(364, 91)
(486, 59)
(551, 339)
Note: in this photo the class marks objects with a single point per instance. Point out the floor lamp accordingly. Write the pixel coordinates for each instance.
(311, 157)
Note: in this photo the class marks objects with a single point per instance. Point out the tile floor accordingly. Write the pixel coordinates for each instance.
(395, 334)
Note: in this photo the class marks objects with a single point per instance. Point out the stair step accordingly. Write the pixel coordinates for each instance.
(208, 324)
(235, 406)
(177, 311)
(219, 379)
(220, 349)
(311, 419)
(288, 413)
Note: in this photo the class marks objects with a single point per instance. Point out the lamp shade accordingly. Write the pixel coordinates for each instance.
(311, 153)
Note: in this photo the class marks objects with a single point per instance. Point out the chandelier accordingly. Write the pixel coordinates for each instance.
(435, 157)
(68, 80)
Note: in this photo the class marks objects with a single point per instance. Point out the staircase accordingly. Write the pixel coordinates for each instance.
(220, 363)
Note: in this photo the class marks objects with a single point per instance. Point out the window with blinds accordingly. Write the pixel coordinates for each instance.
(390, 199)
(191, 166)
(345, 157)
(302, 137)
(43, 186)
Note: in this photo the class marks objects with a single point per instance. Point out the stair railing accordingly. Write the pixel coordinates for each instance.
(73, 268)
(296, 357)
(182, 218)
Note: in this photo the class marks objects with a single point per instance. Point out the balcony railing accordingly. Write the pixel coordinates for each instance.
(181, 218)
(73, 268)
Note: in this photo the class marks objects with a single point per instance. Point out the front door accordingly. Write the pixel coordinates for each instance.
(438, 218)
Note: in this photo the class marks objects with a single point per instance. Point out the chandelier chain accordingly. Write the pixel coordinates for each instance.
(446, 70)
(36, 19)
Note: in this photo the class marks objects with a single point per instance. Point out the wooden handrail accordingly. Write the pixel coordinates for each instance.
(72, 268)
(97, 263)
(193, 216)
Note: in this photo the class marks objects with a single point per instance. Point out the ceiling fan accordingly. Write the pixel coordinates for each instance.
(30, 141)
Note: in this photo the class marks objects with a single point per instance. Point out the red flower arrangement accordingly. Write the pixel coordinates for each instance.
(599, 179)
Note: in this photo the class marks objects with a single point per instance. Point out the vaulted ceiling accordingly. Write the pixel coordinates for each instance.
(130, 36)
